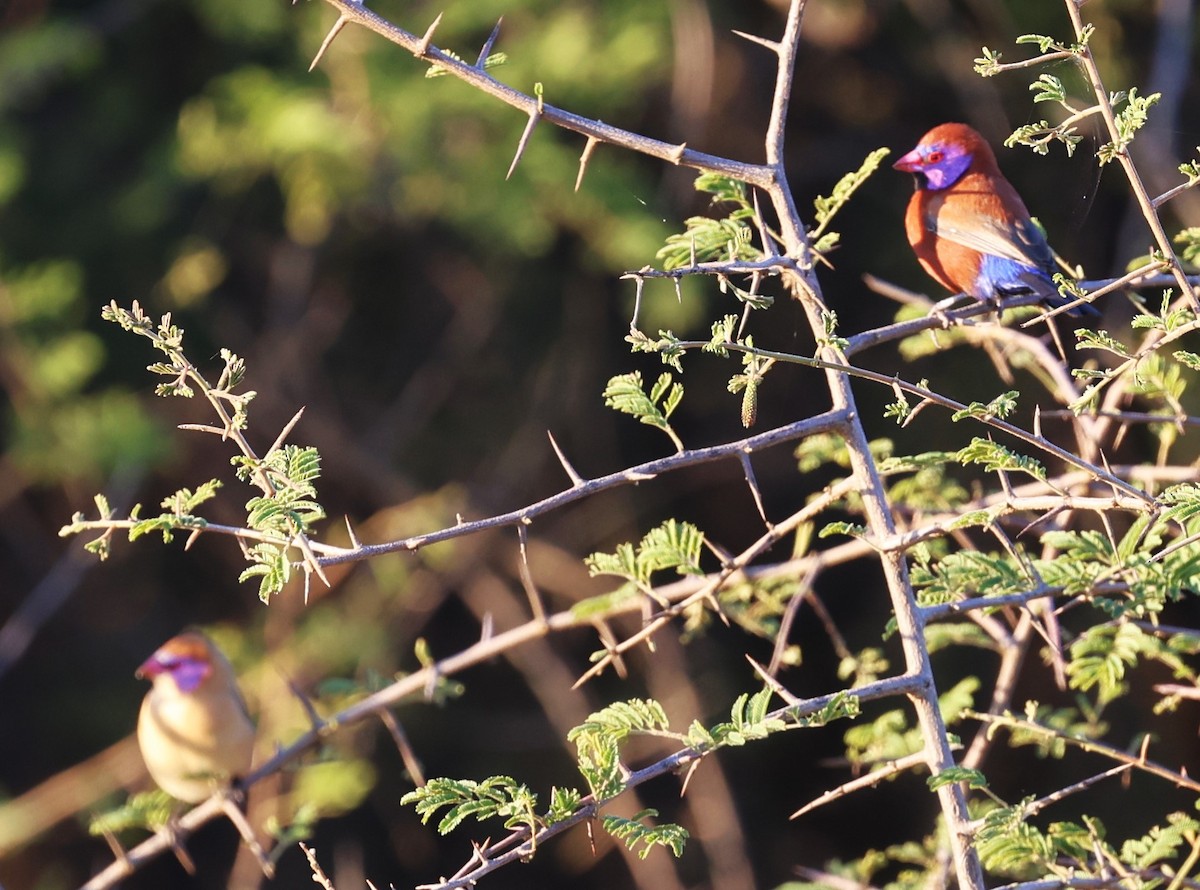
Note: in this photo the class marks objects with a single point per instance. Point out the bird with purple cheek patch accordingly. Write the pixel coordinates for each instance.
(194, 730)
(968, 226)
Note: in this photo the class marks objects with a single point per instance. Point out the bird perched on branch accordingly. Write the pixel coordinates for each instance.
(968, 226)
(193, 729)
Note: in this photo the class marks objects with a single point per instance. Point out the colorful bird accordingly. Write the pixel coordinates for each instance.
(193, 729)
(968, 226)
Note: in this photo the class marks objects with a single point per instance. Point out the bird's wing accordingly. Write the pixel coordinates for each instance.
(977, 219)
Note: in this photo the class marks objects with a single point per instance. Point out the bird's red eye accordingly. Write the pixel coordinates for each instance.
(934, 157)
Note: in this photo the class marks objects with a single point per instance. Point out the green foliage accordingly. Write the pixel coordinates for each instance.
(825, 208)
(498, 797)
(672, 545)
(494, 60)
(619, 720)
(899, 410)
(852, 529)
(634, 831)
(706, 240)
(598, 740)
(564, 802)
(1159, 378)
(815, 451)
(1191, 169)
(1010, 847)
(829, 322)
(996, 458)
(922, 345)
(890, 737)
(841, 705)
(912, 865)
(1101, 340)
(1013, 848)
(1100, 657)
(282, 516)
(291, 472)
(751, 720)
(748, 721)
(1050, 44)
(599, 761)
(180, 513)
(928, 490)
(59, 421)
(1048, 88)
(890, 465)
(1189, 240)
(1183, 504)
(864, 666)
(1040, 136)
(167, 337)
(1168, 319)
(668, 347)
(750, 296)
(101, 546)
(300, 826)
(1131, 118)
(269, 563)
(148, 810)
(830, 448)
(722, 335)
(973, 777)
(1162, 843)
(1187, 359)
(1149, 582)
(756, 606)
(1000, 407)
(288, 512)
(1103, 654)
(968, 573)
(1048, 729)
(333, 787)
(950, 634)
(624, 393)
(988, 63)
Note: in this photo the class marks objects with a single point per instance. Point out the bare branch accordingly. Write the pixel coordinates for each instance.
(328, 41)
(486, 50)
(534, 118)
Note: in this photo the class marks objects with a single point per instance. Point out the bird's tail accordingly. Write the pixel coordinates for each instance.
(1049, 295)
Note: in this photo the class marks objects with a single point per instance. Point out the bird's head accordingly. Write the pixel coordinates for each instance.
(944, 154)
(186, 659)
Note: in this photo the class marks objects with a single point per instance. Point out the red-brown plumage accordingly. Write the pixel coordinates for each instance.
(968, 226)
(980, 192)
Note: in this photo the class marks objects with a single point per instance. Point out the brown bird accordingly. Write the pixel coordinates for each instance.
(193, 729)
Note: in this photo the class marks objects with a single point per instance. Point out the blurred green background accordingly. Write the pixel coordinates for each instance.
(351, 233)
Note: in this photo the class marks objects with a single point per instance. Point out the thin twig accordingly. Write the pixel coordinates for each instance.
(411, 764)
(885, 771)
(1010, 722)
(318, 874)
(360, 14)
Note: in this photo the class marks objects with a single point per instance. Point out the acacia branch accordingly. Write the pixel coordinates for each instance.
(519, 845)
(1092, 71)
(357, 13)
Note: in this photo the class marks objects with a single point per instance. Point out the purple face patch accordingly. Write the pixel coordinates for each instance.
(188, 673)
(943, 167)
